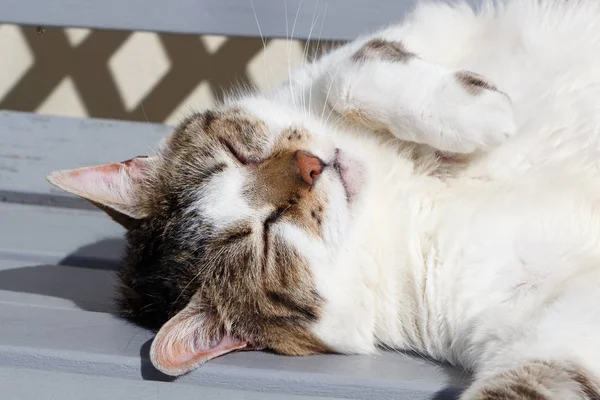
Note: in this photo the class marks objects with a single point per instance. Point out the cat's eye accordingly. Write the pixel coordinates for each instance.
(274, 216)
(244, 159)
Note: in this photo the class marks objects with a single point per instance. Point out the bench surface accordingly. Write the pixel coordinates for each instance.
(58, 257)
(341, 19)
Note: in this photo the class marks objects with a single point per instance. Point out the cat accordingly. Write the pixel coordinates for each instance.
(432, 187)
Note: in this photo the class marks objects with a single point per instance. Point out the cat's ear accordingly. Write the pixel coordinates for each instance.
(183, 343)
(113, 187)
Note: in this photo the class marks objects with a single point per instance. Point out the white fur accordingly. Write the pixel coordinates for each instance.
(501, 264)
(227, 205)
(424, 103)
(494, 266)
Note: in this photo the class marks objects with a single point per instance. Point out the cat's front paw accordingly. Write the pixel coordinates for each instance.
(473, 114)
(416, 101)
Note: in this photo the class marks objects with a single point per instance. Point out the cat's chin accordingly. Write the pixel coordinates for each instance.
(351, 173)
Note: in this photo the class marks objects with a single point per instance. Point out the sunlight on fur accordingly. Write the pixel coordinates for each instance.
(432, 187)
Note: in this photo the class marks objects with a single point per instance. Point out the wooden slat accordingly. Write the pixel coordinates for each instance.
(34, 284)
(71, 333)
(57, 235)
(15, 383)
(34, 145)
(343, 19)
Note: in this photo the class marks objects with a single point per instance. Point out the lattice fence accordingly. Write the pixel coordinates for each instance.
(90, 61)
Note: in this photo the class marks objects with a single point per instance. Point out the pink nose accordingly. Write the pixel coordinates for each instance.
(310, 166)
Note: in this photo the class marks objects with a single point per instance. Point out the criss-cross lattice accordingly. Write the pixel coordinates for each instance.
(87, 66)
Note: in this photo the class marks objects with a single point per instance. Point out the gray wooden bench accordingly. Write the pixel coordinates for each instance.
(58, 337)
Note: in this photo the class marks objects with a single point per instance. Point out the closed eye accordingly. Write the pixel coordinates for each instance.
(271, 219)
(275, 216)
(239, 156)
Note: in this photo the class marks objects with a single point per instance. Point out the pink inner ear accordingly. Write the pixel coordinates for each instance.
(103, 173)
(136, 166)
(114, 185)
(107, 173)
(181, 345)
(183, 355)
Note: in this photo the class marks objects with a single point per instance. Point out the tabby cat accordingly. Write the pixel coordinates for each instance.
(433, 187)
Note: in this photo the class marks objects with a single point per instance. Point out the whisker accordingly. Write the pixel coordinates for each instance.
(304, 52)
(316, 51)
(264, 43)
(332, 110)
(328, 92)
(337, 122)
(305, 57)
(289, 61)
(290, 52)
(144, 112)
(287, 31)
(287, 37)
(321, 31)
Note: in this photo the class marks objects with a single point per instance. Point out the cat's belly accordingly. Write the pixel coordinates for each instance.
(505, 250)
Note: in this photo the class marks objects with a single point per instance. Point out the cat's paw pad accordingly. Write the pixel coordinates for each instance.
(474, 114)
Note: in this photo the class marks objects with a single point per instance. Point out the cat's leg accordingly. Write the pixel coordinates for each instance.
(537, 380)
(384, 86)
(541, 342)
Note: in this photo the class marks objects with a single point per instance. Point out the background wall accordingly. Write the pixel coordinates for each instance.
(132, 75)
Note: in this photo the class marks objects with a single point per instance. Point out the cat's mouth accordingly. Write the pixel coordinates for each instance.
(350, 172)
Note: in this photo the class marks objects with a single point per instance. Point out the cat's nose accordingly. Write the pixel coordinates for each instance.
(310, 166)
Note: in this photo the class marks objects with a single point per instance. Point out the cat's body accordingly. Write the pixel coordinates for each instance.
(464, 247)
(468, 268)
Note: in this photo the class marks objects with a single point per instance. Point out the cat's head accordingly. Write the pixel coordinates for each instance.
(235, 229)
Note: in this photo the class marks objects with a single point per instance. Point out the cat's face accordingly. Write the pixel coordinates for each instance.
(235, 228)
